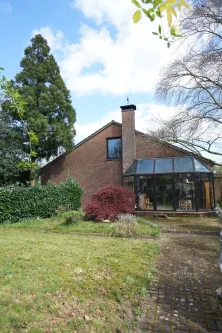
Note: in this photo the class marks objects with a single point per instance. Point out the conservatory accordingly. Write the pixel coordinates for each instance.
(173, 183)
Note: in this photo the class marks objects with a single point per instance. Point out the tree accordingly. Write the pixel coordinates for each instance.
(11, 151)
(17, 103)
(163, 10)
(48, 113)
(193, 83)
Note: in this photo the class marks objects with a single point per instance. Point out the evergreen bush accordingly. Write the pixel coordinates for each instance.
(18, 202)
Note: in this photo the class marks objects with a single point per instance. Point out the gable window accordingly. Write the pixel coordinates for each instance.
(114, 148)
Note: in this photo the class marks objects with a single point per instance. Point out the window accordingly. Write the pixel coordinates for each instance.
(145, 193)
(200, 167)
(164, 165)
(183, 164)
(185, 191)
(145, 166)
(164, 192)
(114, 148)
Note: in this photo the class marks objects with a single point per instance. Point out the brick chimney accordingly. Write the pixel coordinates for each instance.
(128, 135)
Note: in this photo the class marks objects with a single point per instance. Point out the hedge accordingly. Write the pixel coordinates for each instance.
(20, 202)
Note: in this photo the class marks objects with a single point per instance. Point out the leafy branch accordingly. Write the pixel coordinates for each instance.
(18, 104)
(161, 9)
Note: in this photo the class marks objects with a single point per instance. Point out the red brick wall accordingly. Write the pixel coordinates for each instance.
(88, 164)
(148, 148)
(128, 138)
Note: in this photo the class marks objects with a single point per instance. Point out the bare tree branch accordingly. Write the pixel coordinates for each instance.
(193, 83)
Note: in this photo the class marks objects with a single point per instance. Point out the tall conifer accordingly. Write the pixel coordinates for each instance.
(48, 112)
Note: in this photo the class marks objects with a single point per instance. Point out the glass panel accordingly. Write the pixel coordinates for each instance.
(163, 165)
(185, 192)
(145, 166)
(145, 194)
(183, 164)
(204, 189)
(131, 170)
(114, 148)
(200, 167)
(164, 192)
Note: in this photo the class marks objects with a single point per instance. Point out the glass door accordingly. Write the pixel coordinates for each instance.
(164, 192)
(204, 191)
(184, 191)
(145, 193)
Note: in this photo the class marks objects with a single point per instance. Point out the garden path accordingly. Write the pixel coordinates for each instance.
(182, 295)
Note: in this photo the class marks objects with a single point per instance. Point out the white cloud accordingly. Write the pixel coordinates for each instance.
(116, 12)
(129, 55)
(5, 7)
(144, 116)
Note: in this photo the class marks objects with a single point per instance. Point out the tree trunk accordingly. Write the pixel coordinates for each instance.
(32, 172)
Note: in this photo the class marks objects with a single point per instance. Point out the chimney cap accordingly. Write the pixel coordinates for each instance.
(128, 107)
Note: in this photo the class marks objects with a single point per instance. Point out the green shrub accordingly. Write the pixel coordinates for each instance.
(125, 226)
(72, 216)
(219, 203)
(79, 213)
(19, 202)
(126, 218)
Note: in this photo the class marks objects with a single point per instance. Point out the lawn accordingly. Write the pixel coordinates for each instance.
(55, 282)
(183, 223)
(57, 224)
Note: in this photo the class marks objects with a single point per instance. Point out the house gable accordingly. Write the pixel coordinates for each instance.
(88, 163)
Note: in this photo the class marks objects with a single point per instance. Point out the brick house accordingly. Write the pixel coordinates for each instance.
(163, 176)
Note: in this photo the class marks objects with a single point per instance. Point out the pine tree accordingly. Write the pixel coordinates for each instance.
(48, 112)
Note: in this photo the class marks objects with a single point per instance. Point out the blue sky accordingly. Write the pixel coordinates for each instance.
(102, 55)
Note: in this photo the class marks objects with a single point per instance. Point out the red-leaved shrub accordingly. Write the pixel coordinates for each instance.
(109, 202)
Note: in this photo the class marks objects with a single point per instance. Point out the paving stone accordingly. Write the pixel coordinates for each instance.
(183, 290)
(145, 325)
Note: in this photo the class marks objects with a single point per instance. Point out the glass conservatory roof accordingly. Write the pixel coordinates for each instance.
(166, 165)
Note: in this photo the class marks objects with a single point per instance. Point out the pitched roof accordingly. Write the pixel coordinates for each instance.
(113, 122)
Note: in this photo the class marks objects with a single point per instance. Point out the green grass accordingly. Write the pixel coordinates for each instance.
(56, 224)
(184, 223)
(59, 282)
